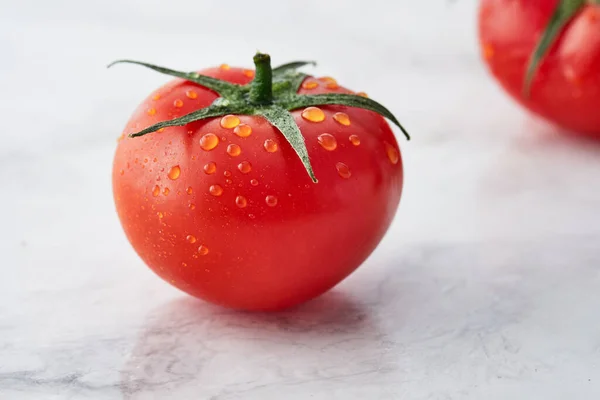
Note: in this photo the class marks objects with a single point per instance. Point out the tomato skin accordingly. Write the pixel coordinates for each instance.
(262, 256)
(566, 87)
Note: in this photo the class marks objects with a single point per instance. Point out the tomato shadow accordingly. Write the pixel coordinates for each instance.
(188, 345)
(540, 160)
(540, 133)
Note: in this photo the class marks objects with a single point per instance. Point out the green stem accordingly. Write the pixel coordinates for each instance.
(261, 88)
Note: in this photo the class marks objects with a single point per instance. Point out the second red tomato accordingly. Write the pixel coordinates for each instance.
(565, 88)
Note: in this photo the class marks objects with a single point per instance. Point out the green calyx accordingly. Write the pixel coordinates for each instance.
(563, 13)
(272, 94)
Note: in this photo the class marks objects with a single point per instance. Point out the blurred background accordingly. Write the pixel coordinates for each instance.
(486, 285)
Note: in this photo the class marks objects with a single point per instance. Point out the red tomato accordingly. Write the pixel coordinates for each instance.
(224, 210)
(566, 88)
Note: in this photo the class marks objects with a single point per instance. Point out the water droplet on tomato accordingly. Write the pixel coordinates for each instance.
(354, 139)
(343, 170)
(243, 130)
(210, 168)
(224, 67)
(151, 111)
(209, 141)
(328, 79)
(215, 190)
(332, 86)
(230, 121)
(178, 103)
(313, 114)
(362, 94)
(310, 85)
(191, 238)
(174, 172)
(254, 182)
(392, 153)
(327, 141)
(191, 206)
(155, 191)
(245, 167)
(189, 190)
(241, 201)
(156, 97)
(227, 173)
(122, 172)
(249, 73)
(191, 94)
(271, 201)
(342, 118)
(251, 216)
(202, 250)
(183, 264)
(270, 146)
(488, 51)
(166, 191)
(234, 150)
(160, 215)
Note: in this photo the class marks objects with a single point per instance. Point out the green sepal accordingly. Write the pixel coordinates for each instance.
(563, 13)
(350, 100)
(286, 79)
(214, 110)
(288, 83)
(223, 88)
(284, 121)
(291, 66)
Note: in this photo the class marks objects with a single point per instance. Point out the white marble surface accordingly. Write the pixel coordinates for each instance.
(486, 287)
